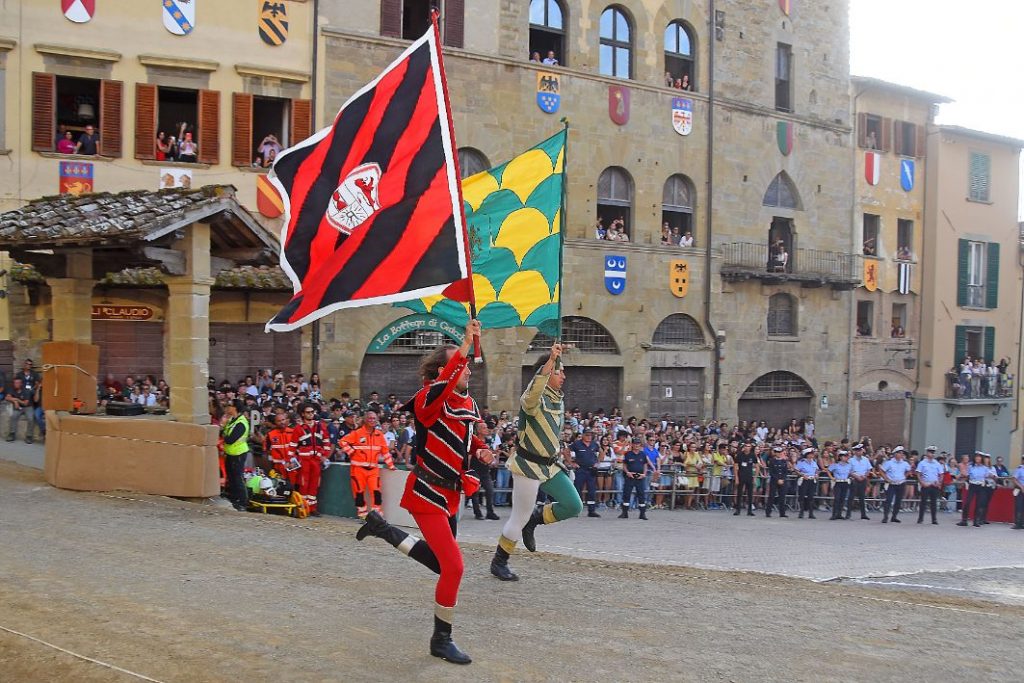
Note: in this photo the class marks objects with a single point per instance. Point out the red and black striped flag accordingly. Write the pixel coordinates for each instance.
(373, 206)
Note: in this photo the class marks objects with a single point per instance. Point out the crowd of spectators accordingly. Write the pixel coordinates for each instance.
(86, 142)
(616, 232)
(179, 146)
(692, 463)
(682, 83)
(671, 237)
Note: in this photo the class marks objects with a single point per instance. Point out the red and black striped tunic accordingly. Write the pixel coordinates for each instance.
(444, 442)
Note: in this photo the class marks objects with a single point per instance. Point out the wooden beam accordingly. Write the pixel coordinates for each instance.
(169, 261)
(250, 255)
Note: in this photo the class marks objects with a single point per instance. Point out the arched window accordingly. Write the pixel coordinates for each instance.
(679, 56)
(781, 316)
(583, 334)
(614, 205)
(781, 193)
(678, 329)
(677, 210)
(472, 161)
(616, 44)
(547, 30)
(777, 385)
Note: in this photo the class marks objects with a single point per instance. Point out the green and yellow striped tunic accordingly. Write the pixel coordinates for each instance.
(541, 412)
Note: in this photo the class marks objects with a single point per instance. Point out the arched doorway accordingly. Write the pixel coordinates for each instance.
(392, 361)
(588, 387)
(776, 398)
(677, 389)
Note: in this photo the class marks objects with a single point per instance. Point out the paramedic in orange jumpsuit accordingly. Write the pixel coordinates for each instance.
(364, 447)
(278, 447)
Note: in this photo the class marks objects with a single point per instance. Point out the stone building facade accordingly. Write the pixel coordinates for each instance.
(765, 166)
(893, 123)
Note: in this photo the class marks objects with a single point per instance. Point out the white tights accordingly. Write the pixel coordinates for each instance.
(524, 502)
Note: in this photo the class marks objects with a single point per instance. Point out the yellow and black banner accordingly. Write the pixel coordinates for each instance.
(273, 22)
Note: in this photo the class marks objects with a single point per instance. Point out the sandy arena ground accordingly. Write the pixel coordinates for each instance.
(175, 591)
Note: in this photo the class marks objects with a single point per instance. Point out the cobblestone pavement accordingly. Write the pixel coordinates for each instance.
(817, 549)
(183, 592)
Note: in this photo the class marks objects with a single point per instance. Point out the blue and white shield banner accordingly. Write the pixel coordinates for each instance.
(682, 115)
(548, 95)
(615, 274)
(907, 174)
(179, 16)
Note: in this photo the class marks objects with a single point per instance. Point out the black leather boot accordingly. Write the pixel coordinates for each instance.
(499, 566)
(441, 644)
(529, 542)
(625, 512)
(643, 513)
(374, 525)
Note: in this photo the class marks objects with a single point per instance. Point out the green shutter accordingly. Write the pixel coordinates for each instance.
(990, 344)
(961, 273)
(992, 276)
(960, 345)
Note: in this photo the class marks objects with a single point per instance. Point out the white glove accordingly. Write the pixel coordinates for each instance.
(325, 463)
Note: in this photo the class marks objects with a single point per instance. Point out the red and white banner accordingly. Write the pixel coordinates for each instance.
(872, 167)
(78, 11)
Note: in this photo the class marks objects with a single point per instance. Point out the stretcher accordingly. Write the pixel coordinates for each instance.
(293, 506)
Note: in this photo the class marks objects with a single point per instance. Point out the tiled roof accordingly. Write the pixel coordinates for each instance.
(106, 217)
(269, 278)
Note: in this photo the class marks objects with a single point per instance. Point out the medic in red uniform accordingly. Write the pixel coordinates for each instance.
(312, 444)
(445, 415)
(278, 447)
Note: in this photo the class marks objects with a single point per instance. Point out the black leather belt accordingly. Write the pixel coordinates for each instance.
(434, 480)
(533, 457)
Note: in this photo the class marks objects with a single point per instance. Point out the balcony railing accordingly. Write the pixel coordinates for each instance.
(978, 388)
(742, 260)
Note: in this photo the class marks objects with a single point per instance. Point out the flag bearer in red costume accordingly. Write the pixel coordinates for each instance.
(445, 415)
(364, 447)
(312, 443)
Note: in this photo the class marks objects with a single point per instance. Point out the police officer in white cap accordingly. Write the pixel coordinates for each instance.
(860, 472)
(894, 471)
(929, 477)
(807, 468)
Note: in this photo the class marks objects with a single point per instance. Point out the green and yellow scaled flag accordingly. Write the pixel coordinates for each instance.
(514, 215)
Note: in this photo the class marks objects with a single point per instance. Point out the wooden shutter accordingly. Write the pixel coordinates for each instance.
(111, 101)
(885, 144)
(990, 344)
(302, 121)
(241, 129)
(979, 177)
(454, 22)
(862, 130)
(391, 18)
(44, 112)
(922, 140)
(209, 126)
(145, 121)
(992, 276)
(963, 262)
(897, 136)
(959, 346)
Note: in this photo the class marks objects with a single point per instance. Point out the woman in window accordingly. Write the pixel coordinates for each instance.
(686, 240)
(685, 83)
(268, 160)
(187, 150)
(163, 146)
(666, 235)
(535, 57)
(66, 145)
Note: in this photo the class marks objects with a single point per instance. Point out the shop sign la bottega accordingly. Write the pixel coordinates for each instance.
(413, 323)
(111, 312)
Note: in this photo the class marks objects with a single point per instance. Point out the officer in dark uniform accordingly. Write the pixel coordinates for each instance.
(778, 471)
(634, 469)
(840, 472)
(743, 466)
(585, 453)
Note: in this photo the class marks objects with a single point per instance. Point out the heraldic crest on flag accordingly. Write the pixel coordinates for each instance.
(514, 214)
(373, 211)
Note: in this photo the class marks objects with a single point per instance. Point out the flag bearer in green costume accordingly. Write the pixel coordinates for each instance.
(535, 464)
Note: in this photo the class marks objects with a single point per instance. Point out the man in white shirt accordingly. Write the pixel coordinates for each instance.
(550, 60)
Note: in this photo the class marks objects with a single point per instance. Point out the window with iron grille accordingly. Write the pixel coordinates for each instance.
(678, 329)
(582, 334)
(779, 384)
(781, 316)
(418, 340)
(781, 193)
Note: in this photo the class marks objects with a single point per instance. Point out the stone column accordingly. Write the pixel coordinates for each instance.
(186, 367)
(72, 298)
